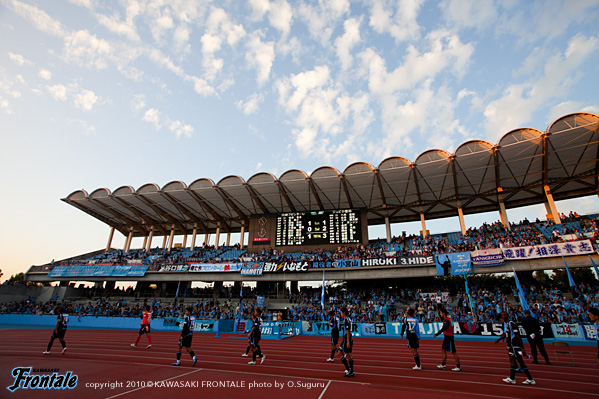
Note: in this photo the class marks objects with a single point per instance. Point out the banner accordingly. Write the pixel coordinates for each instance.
(251, 269)
(432, 296)
(565, 330)
(583, 247)
(453, 264)
(459, 328)
(260, 301)
(290, 267)
(214, 267)
(173, 268)
(590, 331)
(337, 264)
(98, 271)
(487, 257)
(399, 261)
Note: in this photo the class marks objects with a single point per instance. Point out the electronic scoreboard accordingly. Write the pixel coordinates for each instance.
(319, 228)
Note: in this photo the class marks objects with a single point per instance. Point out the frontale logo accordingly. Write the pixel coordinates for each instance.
(25, 380)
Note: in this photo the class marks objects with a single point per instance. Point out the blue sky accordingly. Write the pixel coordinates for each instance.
(105, 94)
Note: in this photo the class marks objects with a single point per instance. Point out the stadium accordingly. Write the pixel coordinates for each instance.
(303, 228)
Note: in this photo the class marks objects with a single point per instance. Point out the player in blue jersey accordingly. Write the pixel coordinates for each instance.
(594, 316)
(186, 337)
(255, 335)
(59, 330)
(334, 323)
(347, 343)
(515, 350)
(412, 330)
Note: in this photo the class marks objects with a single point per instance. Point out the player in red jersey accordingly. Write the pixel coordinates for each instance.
(145, 327)
(448, 341)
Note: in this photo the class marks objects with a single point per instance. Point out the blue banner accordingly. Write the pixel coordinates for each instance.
(338, 264)
(454, 264)
(98, 271)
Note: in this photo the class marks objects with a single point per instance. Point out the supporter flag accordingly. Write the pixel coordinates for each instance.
(322, 294)
(177, 293)
(523, 302)
(472, 308)
(595, 266)
(570, 280)
(241, 299)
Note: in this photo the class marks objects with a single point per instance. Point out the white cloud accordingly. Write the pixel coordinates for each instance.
(18, 59)
(5, 106)
(85, 100)
(86, 50)
(520, 100)
(322, 19)
(45, 74)
(261, 56)
(86, 128)
(158, 120)
(251, 105)
(58, 92)
(399, 19)
(345, 43)
(281, 16)
(40, 19)
(138, 102)
(470, 14)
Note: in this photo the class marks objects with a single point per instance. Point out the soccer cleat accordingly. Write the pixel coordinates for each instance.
(441, 366)
(346, 371)
(244, 355)
(148, 347)
(133, 346)
(177, 363)
(509, 380)
(529, 382)
(252, 362)
(417, 368)
(330, 360)
(46, 353)
(195, 360)
(456, 369)
(263, 359)
(63, 351)
(351, 374)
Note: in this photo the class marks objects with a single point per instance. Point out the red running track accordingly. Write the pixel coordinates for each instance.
(294, 368)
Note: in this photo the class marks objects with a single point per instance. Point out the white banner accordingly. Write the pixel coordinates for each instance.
(214, 267)
(565, 330)
(583, 247)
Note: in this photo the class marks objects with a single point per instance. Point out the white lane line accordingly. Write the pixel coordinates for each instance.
(137, 389)
(324, 390)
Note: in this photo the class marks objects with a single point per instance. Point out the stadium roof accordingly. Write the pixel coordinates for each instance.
(565, 157)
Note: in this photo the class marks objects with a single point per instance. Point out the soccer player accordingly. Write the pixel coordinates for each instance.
(347, 343)
(145, 328)
(448, 341)
(515, 350)
(186, 336)
(59, 330)
(334, 323)
(594, 316)
(533, 331)
(254, 337)
(412, 330)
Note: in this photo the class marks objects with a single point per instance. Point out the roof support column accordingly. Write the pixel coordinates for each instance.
(216, 243)
(242, 238)
(388, 228)
(193, 236)
(206, 239)
(461, 217)
(502, 211)
(228, 238)
(185, 241)
(171, 238)
(110, 237)
(145, 242)
(129, 239)
(550, 206)
(423, 221)
(150, 236)
(164, 241)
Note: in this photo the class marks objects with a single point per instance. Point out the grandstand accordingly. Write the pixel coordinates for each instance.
(525, 167)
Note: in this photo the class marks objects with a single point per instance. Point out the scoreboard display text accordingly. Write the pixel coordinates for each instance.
(318, 228)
